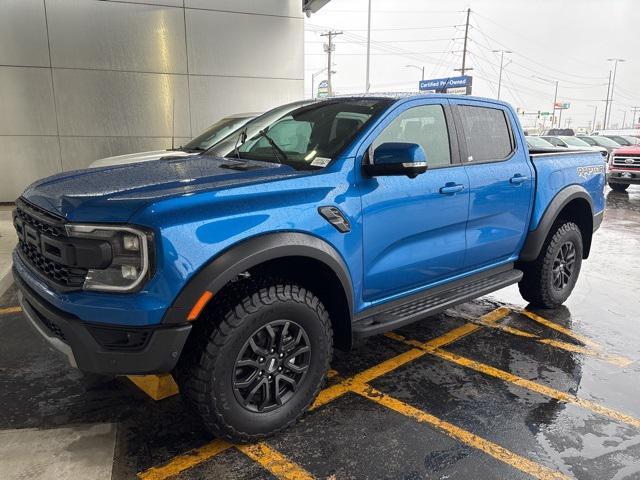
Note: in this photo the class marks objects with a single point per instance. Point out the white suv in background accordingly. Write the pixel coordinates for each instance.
(212, 135)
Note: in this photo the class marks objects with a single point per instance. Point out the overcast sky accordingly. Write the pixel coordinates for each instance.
(568, 40)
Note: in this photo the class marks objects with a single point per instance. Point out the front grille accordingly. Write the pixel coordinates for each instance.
(630, 161)
(44, 223)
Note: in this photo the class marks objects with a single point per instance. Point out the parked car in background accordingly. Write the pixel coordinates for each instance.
(624, 168)
(537, 143)
(630, 138)
(560, 131)
(619, 139)
(212, 135)
(600, 141)
(567, 141)
(624, 140)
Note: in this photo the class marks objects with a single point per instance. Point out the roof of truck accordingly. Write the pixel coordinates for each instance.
(406, 96)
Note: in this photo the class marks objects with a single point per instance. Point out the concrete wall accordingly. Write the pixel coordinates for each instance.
(87, 79)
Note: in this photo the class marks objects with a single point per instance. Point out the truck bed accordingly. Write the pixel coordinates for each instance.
(556, 170)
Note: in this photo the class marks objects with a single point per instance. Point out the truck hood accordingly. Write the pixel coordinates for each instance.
(139, 157)
(114, 194)
(630, 150)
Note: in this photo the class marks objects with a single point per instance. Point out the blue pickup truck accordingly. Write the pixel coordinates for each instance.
(238, 270)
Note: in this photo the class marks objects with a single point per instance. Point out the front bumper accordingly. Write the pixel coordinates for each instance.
(624, 176)
(99, 347)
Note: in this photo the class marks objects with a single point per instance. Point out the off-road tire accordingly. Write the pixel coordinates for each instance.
(207, 372)
(537, 284)
(619, 187)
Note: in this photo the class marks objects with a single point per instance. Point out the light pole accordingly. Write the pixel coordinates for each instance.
(613, 83)
(595, 113)
(555, 96)
(421, 68)
(501, 52)
(366, 86)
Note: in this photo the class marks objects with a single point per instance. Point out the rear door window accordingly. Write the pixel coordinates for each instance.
(486, 132)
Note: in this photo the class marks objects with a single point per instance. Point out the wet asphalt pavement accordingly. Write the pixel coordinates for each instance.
(555, 395)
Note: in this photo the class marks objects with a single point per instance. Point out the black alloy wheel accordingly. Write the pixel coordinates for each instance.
(563, 265)
(271, 365)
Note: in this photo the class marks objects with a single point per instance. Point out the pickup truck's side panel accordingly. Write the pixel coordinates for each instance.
(415, 233)
(558, 171)
(501, 196)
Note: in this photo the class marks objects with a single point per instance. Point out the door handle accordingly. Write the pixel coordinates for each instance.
(451, 188)
(517, 179)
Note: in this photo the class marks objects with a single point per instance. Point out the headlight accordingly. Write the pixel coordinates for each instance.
(130, 261)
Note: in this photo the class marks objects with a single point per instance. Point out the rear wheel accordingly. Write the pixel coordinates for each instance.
(549, 280)
(261, 363)
(619, 187)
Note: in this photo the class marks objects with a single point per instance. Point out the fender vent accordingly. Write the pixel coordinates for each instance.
(336, 218)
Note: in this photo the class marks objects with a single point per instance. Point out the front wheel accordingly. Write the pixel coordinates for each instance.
(619, 187)
(262, 364)
(549, 280)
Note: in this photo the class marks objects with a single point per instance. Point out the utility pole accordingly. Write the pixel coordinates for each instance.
(613, 82)
(367, 84)
(555, 100)
(464, 67)
(624, 118)
(502, 52)
(595, 113)
(329, 47)
(464, 49)
(606, 103)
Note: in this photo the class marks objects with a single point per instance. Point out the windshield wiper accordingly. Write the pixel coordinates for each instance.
(242, 135)
(274, 145)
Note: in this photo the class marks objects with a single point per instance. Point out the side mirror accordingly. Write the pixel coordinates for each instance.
(397, 158)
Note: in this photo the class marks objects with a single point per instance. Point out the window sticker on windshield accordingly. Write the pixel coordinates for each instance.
(320, 162)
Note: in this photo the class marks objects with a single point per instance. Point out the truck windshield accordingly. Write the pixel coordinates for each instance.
(575, 142)
(310, 136)
(215, 133)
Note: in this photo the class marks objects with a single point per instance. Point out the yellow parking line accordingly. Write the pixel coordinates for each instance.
(8, 310)
(591, 350)
(279, 465)
(496, 451)
(339, 389)
(184, 462)
(195, 457)
(559, 328)
(519, 381)
(331, 393)
(606, 357)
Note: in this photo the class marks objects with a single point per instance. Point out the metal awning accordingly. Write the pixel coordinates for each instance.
(312, 6)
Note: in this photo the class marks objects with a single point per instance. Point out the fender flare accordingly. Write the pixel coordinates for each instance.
(535, 238)
(248, 253)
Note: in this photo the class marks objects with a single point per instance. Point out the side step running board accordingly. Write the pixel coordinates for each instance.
(431, 302)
